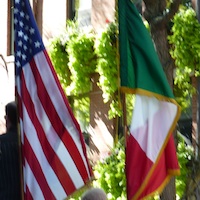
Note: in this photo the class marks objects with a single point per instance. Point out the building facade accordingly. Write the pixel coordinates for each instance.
(51, 19)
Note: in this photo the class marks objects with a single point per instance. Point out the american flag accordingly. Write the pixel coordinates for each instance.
(54, 156)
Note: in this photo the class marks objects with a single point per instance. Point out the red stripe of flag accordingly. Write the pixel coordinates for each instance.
(36, 169)
(57, 123)
(28, 194)
(51, 156)
(68, 107)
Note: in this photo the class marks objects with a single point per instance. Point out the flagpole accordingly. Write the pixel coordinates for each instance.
(19, 148)
(121, 95)
(125, 129)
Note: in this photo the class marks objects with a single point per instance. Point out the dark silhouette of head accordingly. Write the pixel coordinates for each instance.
(11, 114)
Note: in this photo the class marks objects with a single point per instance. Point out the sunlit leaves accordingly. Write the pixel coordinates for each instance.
(60, 61)
(185, 49)
(185, 156)
(106, 50)
(110, 174)
(78, 54)
(185, 30)
(82, 61)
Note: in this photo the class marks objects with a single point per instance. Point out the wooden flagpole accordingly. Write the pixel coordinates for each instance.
(121, 95)
(19, 143)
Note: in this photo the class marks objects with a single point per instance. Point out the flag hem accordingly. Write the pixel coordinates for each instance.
(160, 188)
(150, 94)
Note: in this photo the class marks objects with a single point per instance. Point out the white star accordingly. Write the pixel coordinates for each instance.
(19, 53)
(18, 63)
(20, 43)
(20, 33)
(22, 14)
(37, 44)
(16, 10)
(27, 17)
(21, 24)
(17, 1)
(25, 37)
(25, 47)
(23, 56)
(15, 21)
(32, 30)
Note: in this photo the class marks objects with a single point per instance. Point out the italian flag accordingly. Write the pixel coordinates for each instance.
(150, 152)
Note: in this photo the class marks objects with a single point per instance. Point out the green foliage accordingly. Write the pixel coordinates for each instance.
(82, 112)
(77, 195)
(74, 58)
(60, 56)
(106, 50)
(60, 60)
(185, 50)
(185, 156)
(82, 61)
(110, 174)
(130, 102)
(78, 54)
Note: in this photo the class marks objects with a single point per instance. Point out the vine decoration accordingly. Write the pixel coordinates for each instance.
(106, 50)
(185, 48)
(77, 54)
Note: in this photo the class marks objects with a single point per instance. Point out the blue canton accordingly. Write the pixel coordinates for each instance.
(28, 41)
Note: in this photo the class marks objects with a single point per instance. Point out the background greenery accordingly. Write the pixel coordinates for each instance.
(185, 49)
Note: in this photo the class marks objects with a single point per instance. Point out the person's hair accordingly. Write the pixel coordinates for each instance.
(94, 194)
(11, 112)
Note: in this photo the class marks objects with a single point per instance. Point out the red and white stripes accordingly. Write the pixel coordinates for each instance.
(55, 162)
